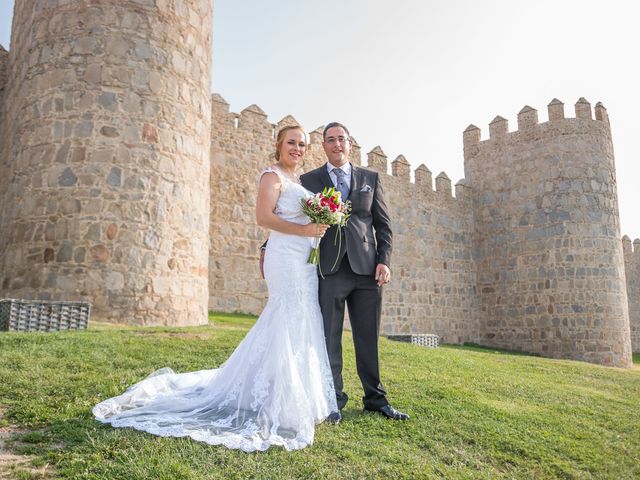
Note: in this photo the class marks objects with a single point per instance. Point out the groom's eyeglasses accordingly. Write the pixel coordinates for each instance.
(334, 140)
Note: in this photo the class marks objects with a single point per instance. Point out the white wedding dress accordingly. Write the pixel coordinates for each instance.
(274, 387)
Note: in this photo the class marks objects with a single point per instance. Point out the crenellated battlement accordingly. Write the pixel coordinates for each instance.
(400, 168)
(423, 178)
(115, 190)
(545, 196)
(431, 227)
(529, 199)
(254, 120)
(528, 124)
(630, 248)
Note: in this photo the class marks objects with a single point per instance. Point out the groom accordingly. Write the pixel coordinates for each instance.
(362, 268)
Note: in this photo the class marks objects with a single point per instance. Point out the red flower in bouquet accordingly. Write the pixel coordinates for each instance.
(326, 207)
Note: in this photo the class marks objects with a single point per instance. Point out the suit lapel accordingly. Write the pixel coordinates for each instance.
(324, 176)
(356, 181)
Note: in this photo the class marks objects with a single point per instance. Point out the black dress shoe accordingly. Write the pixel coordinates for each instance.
(334, 417)
(389, 412)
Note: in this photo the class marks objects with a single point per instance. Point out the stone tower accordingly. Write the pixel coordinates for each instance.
(4, 62)
(105, 157)
(547, 237)
(632, 272)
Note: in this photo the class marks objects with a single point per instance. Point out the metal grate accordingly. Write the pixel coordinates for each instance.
(424, 339)
(42, 316)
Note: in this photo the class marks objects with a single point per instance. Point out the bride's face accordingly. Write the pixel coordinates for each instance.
(292, 149)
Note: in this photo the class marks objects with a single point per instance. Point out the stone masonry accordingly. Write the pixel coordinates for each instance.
(105, 157)
(115, 157)
(512, 261)
(632, 270)
(434, 288)
(241, 146)
(550, 268)
(4, 63)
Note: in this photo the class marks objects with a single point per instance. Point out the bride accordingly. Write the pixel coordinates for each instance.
(277, 384)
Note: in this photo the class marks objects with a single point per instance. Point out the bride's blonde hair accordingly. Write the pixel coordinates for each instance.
(281, 135)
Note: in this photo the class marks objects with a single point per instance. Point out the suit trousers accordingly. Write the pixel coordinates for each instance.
(363, 298)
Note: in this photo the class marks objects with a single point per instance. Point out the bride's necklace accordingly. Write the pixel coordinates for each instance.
(291, 176)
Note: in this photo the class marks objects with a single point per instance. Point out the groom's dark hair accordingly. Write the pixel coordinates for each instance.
(331, 125)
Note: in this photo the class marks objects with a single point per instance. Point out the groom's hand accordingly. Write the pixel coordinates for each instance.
(383, 274)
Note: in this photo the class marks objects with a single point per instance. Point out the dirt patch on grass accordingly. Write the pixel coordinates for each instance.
(12, 463)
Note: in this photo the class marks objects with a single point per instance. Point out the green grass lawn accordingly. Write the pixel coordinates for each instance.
(475, 413)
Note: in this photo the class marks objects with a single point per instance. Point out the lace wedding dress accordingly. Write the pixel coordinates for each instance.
(274, 387)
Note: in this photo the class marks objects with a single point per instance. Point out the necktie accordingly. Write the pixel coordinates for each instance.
(342, 186)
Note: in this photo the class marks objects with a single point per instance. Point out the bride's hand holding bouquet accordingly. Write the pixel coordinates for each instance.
(326, 208)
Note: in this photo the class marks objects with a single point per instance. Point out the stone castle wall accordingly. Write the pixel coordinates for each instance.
(115, 158)
(526, 255)
(632, 270)
(4, 65)
(433, 287)
(550, 265)
(5, 60)
(106, 157)
(241, 146)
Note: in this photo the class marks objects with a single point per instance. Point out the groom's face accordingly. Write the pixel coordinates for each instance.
(337, 146)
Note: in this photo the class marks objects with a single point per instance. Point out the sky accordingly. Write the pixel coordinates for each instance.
(411, 75)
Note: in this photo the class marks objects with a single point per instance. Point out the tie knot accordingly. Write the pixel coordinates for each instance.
(339, 172)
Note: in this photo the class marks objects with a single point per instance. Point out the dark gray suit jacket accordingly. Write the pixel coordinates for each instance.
(367, 238)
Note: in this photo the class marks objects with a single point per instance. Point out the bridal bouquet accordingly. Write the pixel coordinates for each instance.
(326, 207)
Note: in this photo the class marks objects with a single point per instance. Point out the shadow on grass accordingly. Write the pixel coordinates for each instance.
(497, 351)
(474, 347)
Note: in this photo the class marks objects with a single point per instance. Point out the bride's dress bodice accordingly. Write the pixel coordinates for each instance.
(274, 387)
(289, 208)
(291, 193)
(286, 257)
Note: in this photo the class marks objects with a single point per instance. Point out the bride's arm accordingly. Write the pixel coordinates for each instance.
(268, 193)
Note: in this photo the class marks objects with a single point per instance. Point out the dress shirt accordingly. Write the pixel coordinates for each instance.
(346, 168)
